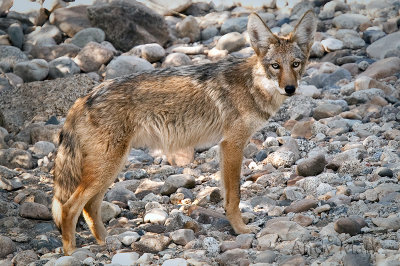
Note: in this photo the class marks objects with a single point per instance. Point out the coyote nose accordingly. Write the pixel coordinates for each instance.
(289, 89)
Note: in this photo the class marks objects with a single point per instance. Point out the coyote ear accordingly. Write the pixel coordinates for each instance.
(304, 31)
(260, 35)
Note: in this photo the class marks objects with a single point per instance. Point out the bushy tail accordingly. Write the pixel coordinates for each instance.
(67, 170)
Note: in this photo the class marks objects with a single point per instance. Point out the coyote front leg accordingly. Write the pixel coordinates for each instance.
(231, 162)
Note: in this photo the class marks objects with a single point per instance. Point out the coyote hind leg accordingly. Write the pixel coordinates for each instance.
(92, 214)
(97, 175)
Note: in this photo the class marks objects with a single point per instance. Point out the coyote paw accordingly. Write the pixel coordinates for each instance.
(248, 229)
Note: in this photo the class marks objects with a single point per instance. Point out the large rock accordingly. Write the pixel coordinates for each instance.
(7, 246)
(32, 10)
(10, 56)
(152, 52)
(136, 24)
(16, 158)
(43, 98)
(349, 21)
(125, 65)
(383, 68)
(189, 27)
(381, 47)
(70, 20)
(34, 70)
(87, 35)
(166, 8)
(63, 67)
(45, 32)
(54, 51)
(92, 56)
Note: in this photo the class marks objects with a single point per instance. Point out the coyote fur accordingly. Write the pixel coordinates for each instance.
(172, 109)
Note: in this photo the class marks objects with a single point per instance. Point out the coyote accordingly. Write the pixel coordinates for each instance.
(172, 109)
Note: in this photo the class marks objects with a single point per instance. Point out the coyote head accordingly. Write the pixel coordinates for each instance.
(281, 60)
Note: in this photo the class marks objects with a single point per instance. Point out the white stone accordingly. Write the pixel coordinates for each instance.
(332, 44)
(125, 259)
(156, 216)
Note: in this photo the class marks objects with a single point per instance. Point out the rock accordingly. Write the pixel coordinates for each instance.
(113, 244)
(87, 35)
(128, 237)
(312, 166)
(55, 51)
(67, 261)
(48, 133)
(7, 246)
(125, 65)
(173, 182)
(326, 110)
(182, 236)
(267, 241)
(92, 56)
(325, 80)
(63, 67)
(303, 220)
(5, 6)
(151, 243)
(370, 36)
(8, 173)
(384, 171)
(286, 230)
(189, 27)
(16, 158)
(10, 56)
(350, 38)
(281, 159)
(45, 32)
(148, 186)
(234, 25)
(332, 44)
(348, 226)
(175, 262)
(293, 260)
(191, 50)
(21, 104)
(145, 25)
(232, 41)
(156, 216)
(302, 129)
(301, 206)
(381, 47)
(33, 210)
(383, 68)
(232, 257)
(267, 256)
(176, 59)
(167, 8)
(352, 259)
(349, 21)
(387, 223)
(24, 257)
(125, 259)
(109, 211)
(31, 10)
(152, 52)
(70, 19)
(317, 50)
(209, 33)
(34, 70)
(43, 148)
(16, 35)
(119, 193)
(211, 245)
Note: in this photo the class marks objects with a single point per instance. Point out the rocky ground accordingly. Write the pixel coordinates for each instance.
(321, 180)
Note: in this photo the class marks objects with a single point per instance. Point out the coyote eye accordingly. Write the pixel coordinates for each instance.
(296, 64)
(275, 66)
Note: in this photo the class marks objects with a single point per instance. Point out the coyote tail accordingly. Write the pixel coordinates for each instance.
(67, 168)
